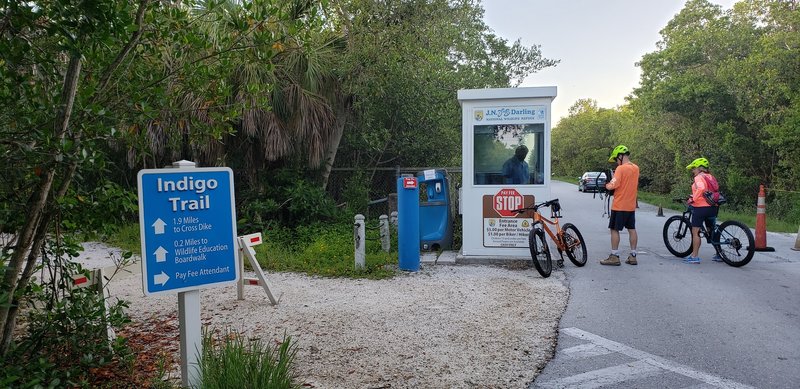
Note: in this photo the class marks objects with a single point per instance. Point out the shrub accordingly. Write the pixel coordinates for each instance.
(291, 199)
(65, 334)
(101, 209)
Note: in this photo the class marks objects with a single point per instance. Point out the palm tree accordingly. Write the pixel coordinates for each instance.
(281, 93)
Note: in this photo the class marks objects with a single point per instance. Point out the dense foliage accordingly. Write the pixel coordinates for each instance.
(66, 335)
(723, 84)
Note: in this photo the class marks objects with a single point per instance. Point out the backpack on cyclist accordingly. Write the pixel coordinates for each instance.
(712, 193)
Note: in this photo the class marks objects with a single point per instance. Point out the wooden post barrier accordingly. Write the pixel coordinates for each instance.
(246, 244)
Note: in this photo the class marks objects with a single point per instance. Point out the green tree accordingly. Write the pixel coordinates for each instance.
(723, 84)
(145, 82)
(405, 62)
(45, 47)
(582, 141)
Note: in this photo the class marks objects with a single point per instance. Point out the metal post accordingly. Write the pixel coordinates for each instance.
(385, 245)
(360, 243)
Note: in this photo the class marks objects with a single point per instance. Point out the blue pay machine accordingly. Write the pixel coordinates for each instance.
(435, 214)
(408, 223)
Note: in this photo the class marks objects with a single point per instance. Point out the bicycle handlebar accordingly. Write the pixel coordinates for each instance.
(536, 207)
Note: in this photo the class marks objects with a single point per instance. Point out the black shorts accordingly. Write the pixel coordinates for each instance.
(704, 214)
(622, 219)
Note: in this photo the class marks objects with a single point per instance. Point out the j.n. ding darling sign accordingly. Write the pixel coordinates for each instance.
(510, 114)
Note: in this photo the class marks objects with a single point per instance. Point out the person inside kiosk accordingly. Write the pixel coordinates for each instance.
(494, 143)
(515, 169)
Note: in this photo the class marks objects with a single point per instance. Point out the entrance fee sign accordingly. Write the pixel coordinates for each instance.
(187, 220)
(501, 227)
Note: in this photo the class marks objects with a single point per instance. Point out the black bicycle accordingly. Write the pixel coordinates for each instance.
(733, 241)
(567, 239)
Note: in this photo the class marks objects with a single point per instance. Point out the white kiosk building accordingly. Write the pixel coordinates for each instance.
(497, 123)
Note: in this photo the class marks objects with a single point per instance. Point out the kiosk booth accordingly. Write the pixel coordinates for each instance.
(506, 165)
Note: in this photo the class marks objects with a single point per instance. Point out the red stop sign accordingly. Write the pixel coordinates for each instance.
(507, 200)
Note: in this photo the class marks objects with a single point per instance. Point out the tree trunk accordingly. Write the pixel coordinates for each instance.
(38, 243)
(342, 117)
(38, 202)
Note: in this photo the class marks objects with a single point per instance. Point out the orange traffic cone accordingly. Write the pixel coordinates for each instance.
(761, 222)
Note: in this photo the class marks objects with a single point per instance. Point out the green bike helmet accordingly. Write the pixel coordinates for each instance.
(621, 149)
(699, 162)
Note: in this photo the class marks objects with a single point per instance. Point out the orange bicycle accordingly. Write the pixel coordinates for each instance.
(567, 239)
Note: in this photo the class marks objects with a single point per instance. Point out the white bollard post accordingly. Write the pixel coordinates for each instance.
(385, 245)
(360, 243)
(394, 218)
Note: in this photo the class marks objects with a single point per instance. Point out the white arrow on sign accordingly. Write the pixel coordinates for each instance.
(159, 226)
(161, 279)
(161, 254)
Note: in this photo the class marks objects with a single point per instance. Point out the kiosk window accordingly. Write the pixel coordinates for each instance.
(500, 157)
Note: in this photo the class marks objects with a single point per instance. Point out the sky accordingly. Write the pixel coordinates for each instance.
(597, 41)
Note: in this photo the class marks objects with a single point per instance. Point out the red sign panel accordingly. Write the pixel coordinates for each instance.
(409, 182)
(507, 200)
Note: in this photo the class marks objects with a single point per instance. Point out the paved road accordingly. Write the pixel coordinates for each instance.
(666, 324)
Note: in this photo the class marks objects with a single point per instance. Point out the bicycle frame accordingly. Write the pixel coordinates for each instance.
(704, 229)
(537, 217)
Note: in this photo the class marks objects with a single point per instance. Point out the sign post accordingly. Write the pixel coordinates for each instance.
(187, 220)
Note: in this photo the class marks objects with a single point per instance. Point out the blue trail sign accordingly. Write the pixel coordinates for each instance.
(187, 220)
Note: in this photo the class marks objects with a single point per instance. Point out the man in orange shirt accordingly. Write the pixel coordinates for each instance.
(625, 185)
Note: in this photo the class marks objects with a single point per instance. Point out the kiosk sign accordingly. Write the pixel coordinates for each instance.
(506, 201)
(188, 229)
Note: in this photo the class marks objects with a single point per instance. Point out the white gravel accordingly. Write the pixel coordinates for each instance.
(452, 326)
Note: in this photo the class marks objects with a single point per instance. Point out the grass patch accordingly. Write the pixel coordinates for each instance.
(326, 251)
(126, 238)
(235, 362)
(321, 249)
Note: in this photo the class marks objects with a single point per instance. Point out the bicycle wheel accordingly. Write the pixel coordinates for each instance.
(678, 236)
(736, 243)
(540, 253)
(574, 243)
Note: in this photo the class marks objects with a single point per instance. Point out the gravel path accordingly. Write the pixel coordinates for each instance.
(443, 327)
